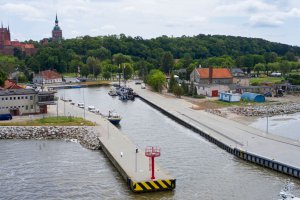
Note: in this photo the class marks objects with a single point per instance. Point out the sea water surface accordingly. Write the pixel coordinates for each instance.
(282, 125)
(56, 169)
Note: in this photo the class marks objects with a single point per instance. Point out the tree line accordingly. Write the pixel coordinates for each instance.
(103, 55)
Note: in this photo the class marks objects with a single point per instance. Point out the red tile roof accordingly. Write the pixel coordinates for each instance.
(217, 73)
(49, 74)
(10, 84)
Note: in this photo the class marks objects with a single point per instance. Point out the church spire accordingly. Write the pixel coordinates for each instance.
(56, 20)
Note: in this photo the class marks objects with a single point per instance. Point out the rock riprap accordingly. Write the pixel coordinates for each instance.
(87, 136)
(270, 110)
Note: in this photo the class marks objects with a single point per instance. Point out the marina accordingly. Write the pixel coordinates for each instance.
(198, 165)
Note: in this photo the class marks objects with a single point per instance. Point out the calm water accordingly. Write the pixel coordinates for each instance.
(283, 125)
(60, 170)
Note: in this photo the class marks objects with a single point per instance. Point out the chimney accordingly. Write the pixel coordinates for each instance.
(210, 75)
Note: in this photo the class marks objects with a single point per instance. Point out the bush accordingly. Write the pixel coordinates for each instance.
(177, 90)
(254, 84)
(199, 96)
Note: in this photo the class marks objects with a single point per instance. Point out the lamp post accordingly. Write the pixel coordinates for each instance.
(136, 152)
(83, 105)
(64, 102)
(267, 121)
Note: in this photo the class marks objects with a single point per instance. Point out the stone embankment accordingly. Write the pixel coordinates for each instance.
(270, 110)
(87, 136)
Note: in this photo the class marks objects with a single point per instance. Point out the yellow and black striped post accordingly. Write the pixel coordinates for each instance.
(155, 185)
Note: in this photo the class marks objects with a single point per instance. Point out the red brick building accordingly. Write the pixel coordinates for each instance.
(7, 46)
(56, 32)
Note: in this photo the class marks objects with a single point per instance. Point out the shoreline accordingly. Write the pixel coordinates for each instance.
(86, 136)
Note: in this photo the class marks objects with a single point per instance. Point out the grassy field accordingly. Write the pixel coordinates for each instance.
(69, 74)
(266, 80)
(52, 121)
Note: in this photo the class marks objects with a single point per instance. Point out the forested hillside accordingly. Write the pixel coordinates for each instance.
(103, 54)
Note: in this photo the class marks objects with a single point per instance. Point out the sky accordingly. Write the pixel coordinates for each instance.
(273, 20)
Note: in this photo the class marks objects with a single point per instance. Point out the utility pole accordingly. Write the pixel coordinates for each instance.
(119, 76)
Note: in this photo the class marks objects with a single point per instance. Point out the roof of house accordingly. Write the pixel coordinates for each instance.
(217, 73)
(49, 74)
(237, 70)
(10, 84)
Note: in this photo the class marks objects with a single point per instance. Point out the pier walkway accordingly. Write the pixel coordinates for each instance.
(132, 164)
(268, 150)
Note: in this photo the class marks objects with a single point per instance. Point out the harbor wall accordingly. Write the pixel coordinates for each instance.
(87, 136)
(247, 156)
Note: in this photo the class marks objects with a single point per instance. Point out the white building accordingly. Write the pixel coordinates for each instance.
(47, 77)
(25, 101)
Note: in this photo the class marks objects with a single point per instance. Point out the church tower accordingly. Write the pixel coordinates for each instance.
(56, 32)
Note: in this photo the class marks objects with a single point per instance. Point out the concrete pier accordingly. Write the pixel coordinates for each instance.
(131, 162)
(250, 144)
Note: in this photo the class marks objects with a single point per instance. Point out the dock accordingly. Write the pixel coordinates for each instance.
(247, 143)
(129, 160)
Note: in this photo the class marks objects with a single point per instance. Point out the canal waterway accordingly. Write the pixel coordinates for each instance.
(59, 169)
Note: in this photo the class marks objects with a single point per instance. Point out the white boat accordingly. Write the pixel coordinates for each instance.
(80, 105)
(286, 192)
(113, 117)
(113, 92)
(92, 109)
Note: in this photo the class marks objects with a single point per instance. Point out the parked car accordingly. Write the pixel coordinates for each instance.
(6, 116)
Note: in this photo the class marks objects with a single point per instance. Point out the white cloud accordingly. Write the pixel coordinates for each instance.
(26, 12)
(151, 18)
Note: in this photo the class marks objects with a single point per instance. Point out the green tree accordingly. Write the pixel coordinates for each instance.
(156, 79)
(172, 83)
(259, 67)
(128, 71)
(2, 77)
(284, 67)
(178, 91)
(167, 62)
(120, 58)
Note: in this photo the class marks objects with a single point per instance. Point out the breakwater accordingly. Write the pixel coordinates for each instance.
(240, 152)
(270, 110)
(86, 136)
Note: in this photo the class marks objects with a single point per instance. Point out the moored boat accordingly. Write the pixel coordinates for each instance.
(113, 117)
(80, 105)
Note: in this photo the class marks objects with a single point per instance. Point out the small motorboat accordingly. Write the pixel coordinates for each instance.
(80, 105)
(113, 117)
(91, 108)
(113, 92)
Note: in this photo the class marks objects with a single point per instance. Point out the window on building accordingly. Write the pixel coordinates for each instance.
(10, 98)
(14, 98)
(18, 97)
(22, 97)
(26, 108)
(2, 99)
(6, 98)
(31, 107)
(31, 97)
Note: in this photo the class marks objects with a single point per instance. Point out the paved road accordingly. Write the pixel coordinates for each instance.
(116, 142)
(232, 133)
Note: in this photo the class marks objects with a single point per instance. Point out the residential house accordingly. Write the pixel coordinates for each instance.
(47, 77)
(211, 76)
(239, 77)
(211, 81)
